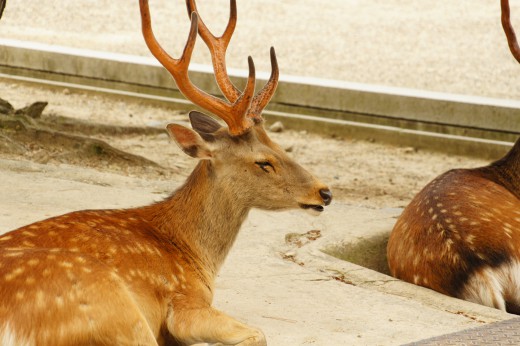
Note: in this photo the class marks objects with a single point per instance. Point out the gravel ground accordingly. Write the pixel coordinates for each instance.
(360, 173)
(438, 45)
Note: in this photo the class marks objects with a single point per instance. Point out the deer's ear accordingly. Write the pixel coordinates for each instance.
(189, 141)
(203, 123)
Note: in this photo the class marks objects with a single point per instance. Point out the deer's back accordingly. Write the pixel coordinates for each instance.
(459, 224)
(78, 269)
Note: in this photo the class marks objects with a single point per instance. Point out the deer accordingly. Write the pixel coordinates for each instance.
(460, 235)
(146, 275)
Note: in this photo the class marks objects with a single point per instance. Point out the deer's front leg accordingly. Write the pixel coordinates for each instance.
(212, 326)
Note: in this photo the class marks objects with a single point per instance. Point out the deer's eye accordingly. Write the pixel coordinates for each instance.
(265, 165)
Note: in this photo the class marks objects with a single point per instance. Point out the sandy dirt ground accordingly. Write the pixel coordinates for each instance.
(359, 172)
(435, 45)
(439, 45)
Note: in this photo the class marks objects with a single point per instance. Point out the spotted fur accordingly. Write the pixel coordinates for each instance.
(461, 235)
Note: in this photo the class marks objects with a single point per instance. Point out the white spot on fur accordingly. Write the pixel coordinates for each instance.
(13, 254)
(40, 299)
(469, 239)
(457, 236)
(456, 258)
(14, 274)
(80, 259)
(46, 272)
(66, 264)
(416, 261)
(33, 261)
(60, 302)
(8, 337)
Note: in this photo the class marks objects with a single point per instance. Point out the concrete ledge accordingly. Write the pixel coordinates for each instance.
(421, 140)
(455, 124)
(368, 223)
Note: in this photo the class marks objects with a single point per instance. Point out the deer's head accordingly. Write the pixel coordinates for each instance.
(243, 156)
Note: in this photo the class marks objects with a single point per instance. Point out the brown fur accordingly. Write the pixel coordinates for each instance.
(462, 224)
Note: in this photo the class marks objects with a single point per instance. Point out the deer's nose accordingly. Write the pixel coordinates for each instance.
(326, 195)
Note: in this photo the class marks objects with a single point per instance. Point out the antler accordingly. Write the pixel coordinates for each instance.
(217, 47)
(234, 113)
(508, 29)
(2, 7)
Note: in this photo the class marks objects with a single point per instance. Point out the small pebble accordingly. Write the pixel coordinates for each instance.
(276, 127)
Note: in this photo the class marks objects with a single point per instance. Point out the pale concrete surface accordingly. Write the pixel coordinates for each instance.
(293, 304)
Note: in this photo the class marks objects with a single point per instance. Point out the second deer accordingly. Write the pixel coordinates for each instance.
(460, 235)
(145, 276)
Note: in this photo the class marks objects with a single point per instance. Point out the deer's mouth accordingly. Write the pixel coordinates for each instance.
(313, 207)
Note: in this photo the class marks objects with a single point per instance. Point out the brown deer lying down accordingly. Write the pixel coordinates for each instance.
(145, 276)
(460, 235)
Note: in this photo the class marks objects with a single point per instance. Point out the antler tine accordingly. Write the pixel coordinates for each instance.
(508, 29)
(233, 114)
(261, 100)
(217, 47)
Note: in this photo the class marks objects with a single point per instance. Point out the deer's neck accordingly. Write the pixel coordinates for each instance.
(204, 215)
(506, 171)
